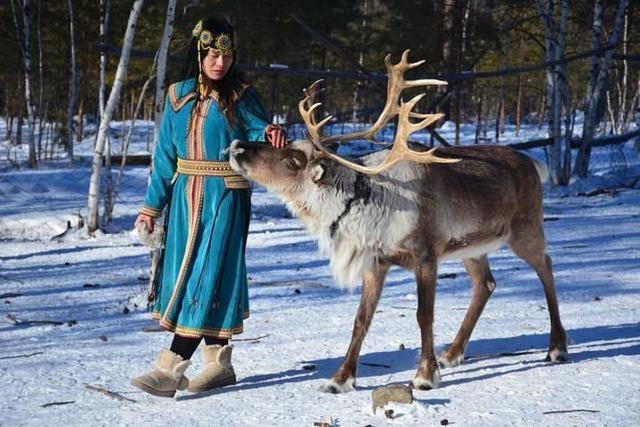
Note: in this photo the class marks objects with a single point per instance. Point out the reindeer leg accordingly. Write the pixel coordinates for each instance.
(483, 285)
(428, 374)
(533, 251)
(345, 377)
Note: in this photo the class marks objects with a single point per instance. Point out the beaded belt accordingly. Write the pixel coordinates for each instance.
(212, 168)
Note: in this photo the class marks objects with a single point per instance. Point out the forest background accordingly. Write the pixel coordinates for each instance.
(544, 61)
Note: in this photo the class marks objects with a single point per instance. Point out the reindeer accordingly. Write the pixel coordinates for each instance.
(410, 207)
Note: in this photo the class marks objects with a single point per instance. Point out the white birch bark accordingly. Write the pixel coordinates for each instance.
(104, 29)
(108, 208)
(545, 12)
(595, 97)
(73, 83)
(558, 97)
(24, 40)
(163, 52)
(94, 183)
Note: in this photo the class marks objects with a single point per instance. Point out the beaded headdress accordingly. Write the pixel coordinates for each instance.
(222, 43)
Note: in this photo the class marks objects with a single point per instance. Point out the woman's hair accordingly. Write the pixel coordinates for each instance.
(231, 83)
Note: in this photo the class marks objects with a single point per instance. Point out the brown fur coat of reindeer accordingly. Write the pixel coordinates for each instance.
(413, 208)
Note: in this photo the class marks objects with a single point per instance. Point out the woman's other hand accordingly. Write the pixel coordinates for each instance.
(146, 220)
(276, 136)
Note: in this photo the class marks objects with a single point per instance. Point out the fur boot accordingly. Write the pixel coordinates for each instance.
(166, 378)
(218, 371)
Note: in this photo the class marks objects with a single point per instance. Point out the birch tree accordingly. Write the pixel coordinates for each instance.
(41, 116)
(557, 87)
(73, 82)
(104, 28)
(24, 42)
(114, 96)
(163, 53)
(596, 88)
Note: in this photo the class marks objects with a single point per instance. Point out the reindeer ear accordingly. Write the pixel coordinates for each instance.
(318, 171)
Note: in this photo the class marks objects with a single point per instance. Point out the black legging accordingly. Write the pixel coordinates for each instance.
(185, 346)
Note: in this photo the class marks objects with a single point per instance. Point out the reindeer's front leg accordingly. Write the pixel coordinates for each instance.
(344, 379)
(428, 375)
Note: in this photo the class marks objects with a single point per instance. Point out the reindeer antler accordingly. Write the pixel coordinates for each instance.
(400, 150)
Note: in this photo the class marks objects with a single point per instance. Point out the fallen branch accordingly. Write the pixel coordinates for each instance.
(12, 319)
(108, 393)
(379, 365)
(10, 295)
(404, 308)
(593, 411)
(153, 329)
(22, 355)
(250, 339)
(46, 405)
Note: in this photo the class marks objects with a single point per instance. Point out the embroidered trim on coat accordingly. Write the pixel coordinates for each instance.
(178, 102)
(195, 197)
(197, 333)
(152, 212)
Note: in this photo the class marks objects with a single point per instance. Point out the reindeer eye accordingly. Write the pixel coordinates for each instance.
(295, 161)
(292, 163)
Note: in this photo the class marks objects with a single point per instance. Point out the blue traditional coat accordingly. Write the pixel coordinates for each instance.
(202, 288)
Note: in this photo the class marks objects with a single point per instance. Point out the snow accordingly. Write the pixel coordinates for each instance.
(300, 318)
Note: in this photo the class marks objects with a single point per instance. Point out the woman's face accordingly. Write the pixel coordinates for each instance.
(216, 64)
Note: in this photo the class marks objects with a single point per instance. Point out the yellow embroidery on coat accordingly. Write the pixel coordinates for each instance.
(152, 212)
(178, 103)
(194, 188)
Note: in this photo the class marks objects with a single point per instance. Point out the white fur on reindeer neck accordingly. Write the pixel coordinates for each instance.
(358, 219)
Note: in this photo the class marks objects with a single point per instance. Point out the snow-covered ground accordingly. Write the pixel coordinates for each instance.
(96, 288)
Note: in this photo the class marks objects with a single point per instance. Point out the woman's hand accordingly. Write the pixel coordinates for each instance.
(146, 220)
(276, 136)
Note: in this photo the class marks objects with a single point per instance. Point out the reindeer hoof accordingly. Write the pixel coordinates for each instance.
(557, 355)
(445, 361)
(333, 387)
(425, 384)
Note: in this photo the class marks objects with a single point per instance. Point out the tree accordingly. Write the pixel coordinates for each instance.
(557, 88)
(24, 41)
(597, 83)
(163, 52)
(73, 82)
(114, 96)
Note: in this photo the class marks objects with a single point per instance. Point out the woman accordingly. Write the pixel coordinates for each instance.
(201, 288)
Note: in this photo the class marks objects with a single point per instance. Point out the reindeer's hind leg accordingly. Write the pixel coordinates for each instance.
(344, 378)
(527, 241)
(428, 374)
(483, 285)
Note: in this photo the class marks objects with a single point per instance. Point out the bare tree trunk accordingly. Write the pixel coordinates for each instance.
(24, 41)
(448, 11)
(81, 114)
(557, 87)
(8, 114)
(94, 183)
(104, 29)
(163, 52)
(479, 117)
(565, 96)
(504, 63)
(108, 207)
(73, 83)
(546, 12)
(41, 79)
(597, 85)
(358, 86)
(518, 106)
(621, 111)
